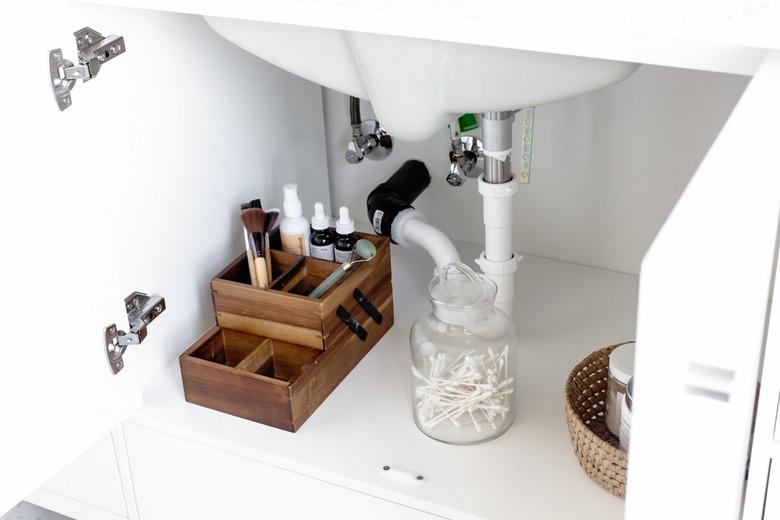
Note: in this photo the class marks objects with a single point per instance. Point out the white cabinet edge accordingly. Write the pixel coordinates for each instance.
(154, 436)
(668, 34)
(79, 507)
(311, 472)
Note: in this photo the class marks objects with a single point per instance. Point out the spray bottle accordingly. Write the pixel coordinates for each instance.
(294, 228)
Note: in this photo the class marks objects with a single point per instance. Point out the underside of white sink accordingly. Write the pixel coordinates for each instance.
(416, 85)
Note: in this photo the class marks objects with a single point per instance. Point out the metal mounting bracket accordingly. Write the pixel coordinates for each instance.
(141, 309)
(94, 50)
(526, 116)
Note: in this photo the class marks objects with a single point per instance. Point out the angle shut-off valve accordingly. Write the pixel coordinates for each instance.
(369, 139)
(465, 151)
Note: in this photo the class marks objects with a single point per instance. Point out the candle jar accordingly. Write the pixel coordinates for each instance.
(463, 360)
(620, 370)
(626, 407)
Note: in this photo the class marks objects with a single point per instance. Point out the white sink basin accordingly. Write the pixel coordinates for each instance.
(415, 85)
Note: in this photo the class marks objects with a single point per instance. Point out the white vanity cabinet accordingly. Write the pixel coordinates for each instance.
(135, 187)
(183, 479)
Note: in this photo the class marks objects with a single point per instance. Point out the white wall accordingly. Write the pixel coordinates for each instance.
(607, 167)
(135, 187)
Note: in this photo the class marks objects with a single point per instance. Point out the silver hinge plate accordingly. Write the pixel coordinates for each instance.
(94, 50)
(141, 310)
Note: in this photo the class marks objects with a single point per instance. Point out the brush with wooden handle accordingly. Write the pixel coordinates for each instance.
(250, 256)
(271, 219)
(254, 222)
(251, 247)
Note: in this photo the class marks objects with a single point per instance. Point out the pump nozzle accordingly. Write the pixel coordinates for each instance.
(292, 204)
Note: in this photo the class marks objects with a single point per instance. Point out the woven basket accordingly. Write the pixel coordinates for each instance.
(586, 403)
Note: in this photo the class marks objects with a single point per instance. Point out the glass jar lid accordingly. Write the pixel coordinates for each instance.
(460, 296)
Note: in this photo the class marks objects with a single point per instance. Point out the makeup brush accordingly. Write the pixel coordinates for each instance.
(254, 222)
(271, 219)
(254, 203)
(250, 256)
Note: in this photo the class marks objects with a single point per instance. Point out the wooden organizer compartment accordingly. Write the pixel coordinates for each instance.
(272, 381)
(283, 311)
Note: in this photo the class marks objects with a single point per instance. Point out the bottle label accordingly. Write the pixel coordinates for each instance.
(378, 214)
(322, 252)
(294, 244)
(343, 256)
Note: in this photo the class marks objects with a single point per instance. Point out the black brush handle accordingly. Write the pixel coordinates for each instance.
(351, 322)
(254, 203)
(364, 302)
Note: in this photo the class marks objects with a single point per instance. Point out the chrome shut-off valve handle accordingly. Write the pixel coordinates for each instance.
(465, 155)
(369, 139)
(372, 142)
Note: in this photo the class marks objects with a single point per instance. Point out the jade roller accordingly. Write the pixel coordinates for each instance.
(363, 252)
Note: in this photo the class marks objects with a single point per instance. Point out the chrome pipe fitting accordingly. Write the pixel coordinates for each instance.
(497, 146)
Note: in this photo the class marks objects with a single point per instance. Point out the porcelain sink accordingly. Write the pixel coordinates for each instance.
(415, 85)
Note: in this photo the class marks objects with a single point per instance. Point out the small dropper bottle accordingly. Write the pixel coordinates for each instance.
(321, 238)
(345, 236)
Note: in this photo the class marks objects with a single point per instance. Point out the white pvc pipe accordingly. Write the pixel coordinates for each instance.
(497, 216)
(498, 261)
(436, 243)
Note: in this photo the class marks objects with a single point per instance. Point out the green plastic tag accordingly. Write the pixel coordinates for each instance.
(468, 122)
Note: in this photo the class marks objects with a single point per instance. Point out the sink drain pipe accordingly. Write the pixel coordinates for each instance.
(391, 213)
(498, 186)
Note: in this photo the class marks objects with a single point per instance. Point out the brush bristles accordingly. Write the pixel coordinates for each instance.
(254, 222)
(271, 219)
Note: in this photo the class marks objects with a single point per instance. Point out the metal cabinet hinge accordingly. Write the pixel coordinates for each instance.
(94, 50)
(141, 309)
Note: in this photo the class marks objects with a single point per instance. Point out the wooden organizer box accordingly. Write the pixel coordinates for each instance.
(284, 311)
(276, 354)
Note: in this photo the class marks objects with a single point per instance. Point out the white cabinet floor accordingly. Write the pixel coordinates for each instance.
(171, 451)
(563, 312)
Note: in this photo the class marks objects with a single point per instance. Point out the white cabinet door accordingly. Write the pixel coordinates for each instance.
(703, 301)
(134, 187)
(177, 478)
(92, 487)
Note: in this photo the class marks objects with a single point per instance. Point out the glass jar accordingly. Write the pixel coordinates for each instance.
(463, 360)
